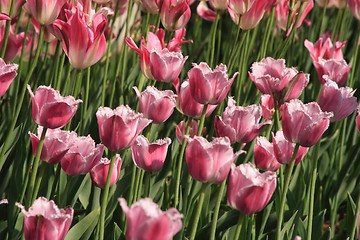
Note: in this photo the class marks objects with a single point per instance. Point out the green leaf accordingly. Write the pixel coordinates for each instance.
(77, 231)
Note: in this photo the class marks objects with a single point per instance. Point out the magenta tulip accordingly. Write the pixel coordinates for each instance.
(44, 11)
(249, 191)
(100, 171)
(283, 149)
(149, 156)
(119, 128)
(336, 70)
(209, 86)
(146, 221)
(264, 156)
(156, 105)
(8, 73)
(304, 124)
(50, 109)
(82, 156)
(339, 101)
(209, 161)
(239, 124)
(45, 221)
(174, 14)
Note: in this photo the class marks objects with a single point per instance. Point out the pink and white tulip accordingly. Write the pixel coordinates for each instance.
(100, 172)
(181, 130)
(264, 156)
(44, 11)
(175, 14)
(8, 72)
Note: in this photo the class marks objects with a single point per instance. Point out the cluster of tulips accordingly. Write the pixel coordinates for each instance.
(208, 170)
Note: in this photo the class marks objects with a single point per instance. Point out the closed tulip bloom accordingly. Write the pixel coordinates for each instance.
(339, 101)
(156, 105)
(83, 44)
(354, 6)
(56, 144)
(209, 86)
(188, 105)
(239, 124)
(249, 191)
(8, 73)
(82, 156)
(180, 130)
(50, 109)
(149, 156)
(331, 3)
(209, 161)
(100, 171)
(283, 149)
(45, 221)
(146, 221)
(150, 6)
(175, 14)
(219, 4)
(119, 128)
(304, 124)
(44, 11)
(264, 157)
(205, 12)
(357, 119)
(337, 70)
(15, 41)
(165, 65)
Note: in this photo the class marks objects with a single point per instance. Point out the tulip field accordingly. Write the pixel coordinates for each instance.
(179, 119)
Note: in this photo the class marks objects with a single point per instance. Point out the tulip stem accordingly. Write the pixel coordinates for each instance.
(354, 58)
(288, 174)
(32, 194)
(198, 211)
(104, 199)
(239, 226)
(213, 41)
(312, 191)
(147, 184)
(7, 30)
(202, 120)
(216, 211)
(353, 230)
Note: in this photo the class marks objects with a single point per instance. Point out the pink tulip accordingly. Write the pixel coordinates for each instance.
(209, 161)
(357, 120)
(165, 65)
(146, 221)
(337, 70)
(56, 144)
(239, 124)
(6, 5)
(100, 171)
(283, 149)
(304, 124)
(150, 6)
(174, 14)
(354, 6)
(44, 11)
(267, 106)
(324, 48)
(83, 44)
(187, 104)
(179, 39)
(339, 101)
(205, 12)
(219, 4)
(332, 3)
(264, 157)
(82, 156)
(8, 73)
(156, 105)
(50, 109)
(209, 86)
(181, 129)
(119, 128)
(14, 43)
(149, 156)
(249, 191)
(271, 76)
(44, 220)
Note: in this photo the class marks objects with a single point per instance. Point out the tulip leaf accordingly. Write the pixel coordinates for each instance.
(78, 230)
(288, 226)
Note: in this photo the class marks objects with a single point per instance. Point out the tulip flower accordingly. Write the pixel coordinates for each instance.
(44, 220)
(100, 171)
(44, 11)
(146, 221)
(336, 70)
(6, 5)
(156, 105)
(219, 4)
(83, 44)
(8, 73)
(249, 191)
(149, 156)
(267, 106)
(82, 156)
(56, 144)
(174, 14)
(264, 156)
(304, 124)
(150, 6)
(205, 12)
(180, 130)
(209, 86)
(50, 109)
(283, 149)
(332, 3)
(354, 6)
(119, 128)
(339, 101)
(14, 42)
(209, 161)
(239, 124)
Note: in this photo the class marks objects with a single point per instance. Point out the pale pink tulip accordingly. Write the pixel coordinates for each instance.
(324, 48)
(267, 106)
(44, 11)
(354, 6)
(336, 70)
(264, 157)
(100, 171)
(205, 12)
(14, 43)
(8, 73)
(174, 14)
(331, 3)
(6, 5)
(181, 129)
(150, 6)
(219, 4)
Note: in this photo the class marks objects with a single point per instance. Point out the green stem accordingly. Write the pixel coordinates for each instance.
(353, 65)
(38, 182)
(32, 194)
(239, 226)
(354, 226)
(86, 101)
(216, 211)
(21, 99)
(147, 184)
(285, 190)
(7, 30)
(104, 200)
(198, 211)
(202, 120)
(213, 41)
